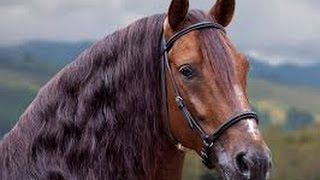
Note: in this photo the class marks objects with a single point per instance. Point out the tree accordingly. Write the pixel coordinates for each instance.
(298, 119)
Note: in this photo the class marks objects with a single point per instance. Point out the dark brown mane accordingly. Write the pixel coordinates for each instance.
(100, 117)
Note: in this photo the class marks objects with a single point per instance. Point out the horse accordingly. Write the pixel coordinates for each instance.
(130, 105)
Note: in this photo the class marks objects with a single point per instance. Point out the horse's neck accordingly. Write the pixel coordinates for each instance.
(171, 164)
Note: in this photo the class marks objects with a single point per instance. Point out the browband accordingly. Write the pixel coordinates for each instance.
(201, 25)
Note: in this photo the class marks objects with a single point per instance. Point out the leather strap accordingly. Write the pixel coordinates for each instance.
(200, 25)
(208, 140)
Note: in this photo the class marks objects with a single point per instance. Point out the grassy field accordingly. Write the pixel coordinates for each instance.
(16, 92)
(304, 98)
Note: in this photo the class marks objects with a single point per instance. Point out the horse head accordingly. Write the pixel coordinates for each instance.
(208, 107)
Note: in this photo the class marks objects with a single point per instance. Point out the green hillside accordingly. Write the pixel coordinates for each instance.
(18, 87)
(304, 98)
(16, 92)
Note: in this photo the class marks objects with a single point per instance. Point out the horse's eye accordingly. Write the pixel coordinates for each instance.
(187, 71)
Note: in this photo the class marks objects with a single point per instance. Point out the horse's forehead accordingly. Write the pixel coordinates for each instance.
(187, 49)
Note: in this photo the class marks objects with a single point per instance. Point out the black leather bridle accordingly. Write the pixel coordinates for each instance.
(207, 139)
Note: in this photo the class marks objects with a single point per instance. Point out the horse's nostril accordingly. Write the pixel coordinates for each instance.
(252, 164)
(270, 160)
(243, 164)
(270, 165)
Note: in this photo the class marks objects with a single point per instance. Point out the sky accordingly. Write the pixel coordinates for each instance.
(275, 31)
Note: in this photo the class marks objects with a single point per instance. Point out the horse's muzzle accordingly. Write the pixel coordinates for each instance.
(243, 156)
(253, 165)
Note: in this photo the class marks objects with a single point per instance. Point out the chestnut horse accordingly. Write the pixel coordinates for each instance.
(128, 106)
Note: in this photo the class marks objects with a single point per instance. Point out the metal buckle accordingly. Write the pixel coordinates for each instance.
(180, 102)
(182, 148)
(207, 143)
(204, 157)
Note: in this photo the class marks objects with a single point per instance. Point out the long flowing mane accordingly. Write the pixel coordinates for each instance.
(99, 118)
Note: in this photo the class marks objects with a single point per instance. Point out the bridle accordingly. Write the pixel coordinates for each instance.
(207, 139)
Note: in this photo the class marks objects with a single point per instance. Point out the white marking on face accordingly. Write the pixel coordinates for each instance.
(241, 97)
(252, 128)
(200, 107)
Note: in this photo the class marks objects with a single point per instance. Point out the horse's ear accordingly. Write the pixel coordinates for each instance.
(223, 11)
(177, 12)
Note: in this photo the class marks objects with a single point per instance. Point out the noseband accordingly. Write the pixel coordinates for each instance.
(207, 139)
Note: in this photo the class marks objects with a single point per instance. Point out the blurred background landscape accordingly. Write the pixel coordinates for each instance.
(38, 38)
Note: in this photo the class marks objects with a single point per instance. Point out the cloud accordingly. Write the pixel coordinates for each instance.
(312, 3)
(286, 28)
(276, 59)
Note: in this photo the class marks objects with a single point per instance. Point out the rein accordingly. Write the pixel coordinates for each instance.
(207, 139)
